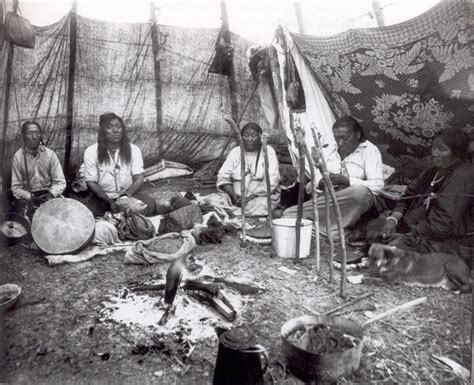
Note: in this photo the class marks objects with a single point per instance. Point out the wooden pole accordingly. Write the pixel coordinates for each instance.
(234, 127)
(340, 228)
(267, 181)
(329, 233)
(317, 158)
(231, 78)
(6, 98)
(155, 45)
(378, 11)
(221, 155)
(299, 17)
(314, 195)
(299, 207)
(70, 87)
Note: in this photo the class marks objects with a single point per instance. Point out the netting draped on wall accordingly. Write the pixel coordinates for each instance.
(403, 82)
(114, 71)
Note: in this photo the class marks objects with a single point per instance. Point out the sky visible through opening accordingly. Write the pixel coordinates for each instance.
(255, 20)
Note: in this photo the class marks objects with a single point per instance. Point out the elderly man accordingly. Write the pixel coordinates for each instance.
(37, 175)
(113, 166)
(359, 182)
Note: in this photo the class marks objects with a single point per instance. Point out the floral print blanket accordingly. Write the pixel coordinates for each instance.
(404, 82)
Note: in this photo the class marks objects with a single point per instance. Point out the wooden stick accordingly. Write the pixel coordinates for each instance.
(348, 303)
(267, 181)
(233, 125)
(314, 194)
(221, 155)
(404, 306)
(299, 210)
(329, 186)
(330, 237)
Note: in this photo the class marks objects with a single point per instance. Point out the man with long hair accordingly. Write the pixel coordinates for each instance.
(37, 175)
(113, 166)
(359, 182)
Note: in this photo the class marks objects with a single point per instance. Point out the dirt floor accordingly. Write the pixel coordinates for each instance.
(57, 333)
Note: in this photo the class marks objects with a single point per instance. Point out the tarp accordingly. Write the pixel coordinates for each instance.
(114, 71)
(404, 82)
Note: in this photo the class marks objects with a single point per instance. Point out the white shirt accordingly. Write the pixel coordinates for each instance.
(254, 173)
(44, 173)
(364, 167)
(113, 177)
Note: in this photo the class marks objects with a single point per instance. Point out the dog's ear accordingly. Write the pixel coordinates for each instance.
(377, 255)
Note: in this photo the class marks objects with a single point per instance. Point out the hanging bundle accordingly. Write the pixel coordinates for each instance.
(19, 30)
(295, 97)
(223, 57)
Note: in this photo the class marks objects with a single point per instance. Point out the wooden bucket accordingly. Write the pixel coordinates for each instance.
(62, 226)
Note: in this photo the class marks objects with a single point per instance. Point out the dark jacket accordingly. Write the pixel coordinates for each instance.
(450, 209)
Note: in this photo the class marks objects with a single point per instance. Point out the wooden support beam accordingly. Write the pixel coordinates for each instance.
(70, 87)
(155, 46)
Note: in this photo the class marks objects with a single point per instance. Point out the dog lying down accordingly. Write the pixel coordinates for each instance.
(395, 265)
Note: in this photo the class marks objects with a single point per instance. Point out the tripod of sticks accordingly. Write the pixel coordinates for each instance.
(315, 160)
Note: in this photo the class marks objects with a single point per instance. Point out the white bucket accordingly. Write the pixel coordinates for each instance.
(284, 237)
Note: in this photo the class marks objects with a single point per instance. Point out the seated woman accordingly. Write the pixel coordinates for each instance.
(229, 176)
(435, 213)
(113, 166)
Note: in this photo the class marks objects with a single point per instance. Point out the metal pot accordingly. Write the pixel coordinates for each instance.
(14, 229)
(312, 367)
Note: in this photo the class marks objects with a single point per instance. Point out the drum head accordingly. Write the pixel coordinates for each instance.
(62, 226)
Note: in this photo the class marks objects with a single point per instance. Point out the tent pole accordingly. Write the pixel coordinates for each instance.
(378, 11)
(70, 87)
(299, 17)
(231, 79)
(155, 45)
(6, 104)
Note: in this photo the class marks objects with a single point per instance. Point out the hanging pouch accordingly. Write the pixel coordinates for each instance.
(20, 31)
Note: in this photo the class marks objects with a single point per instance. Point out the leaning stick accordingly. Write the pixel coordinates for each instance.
(404, 306)
(348, 303)
(267, 181)
(234, 127)
(332, 192)
(314, 194)
(299, 207)
(316, 157)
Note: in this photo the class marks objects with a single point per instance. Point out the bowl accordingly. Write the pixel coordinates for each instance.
(313, 367)
(9, 294)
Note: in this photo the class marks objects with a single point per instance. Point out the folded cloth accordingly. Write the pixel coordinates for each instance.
(186, 217)
(105, 234)
(84, 255)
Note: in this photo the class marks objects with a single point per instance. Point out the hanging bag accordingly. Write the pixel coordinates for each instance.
(20, 31)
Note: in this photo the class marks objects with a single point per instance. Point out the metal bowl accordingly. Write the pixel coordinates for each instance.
(9, 294)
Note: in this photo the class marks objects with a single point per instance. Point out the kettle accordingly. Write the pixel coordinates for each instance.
(240, 360)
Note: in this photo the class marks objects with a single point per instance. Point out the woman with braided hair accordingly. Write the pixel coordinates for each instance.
(435, 214)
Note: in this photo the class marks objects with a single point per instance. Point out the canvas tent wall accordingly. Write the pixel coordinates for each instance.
(403, 82)
(114, 71)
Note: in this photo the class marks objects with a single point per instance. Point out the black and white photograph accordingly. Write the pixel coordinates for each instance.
(236, 192)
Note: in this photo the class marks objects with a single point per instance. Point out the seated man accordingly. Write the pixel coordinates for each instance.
(113, 166)
(229, 176)
(37, 175)
(359, 182)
